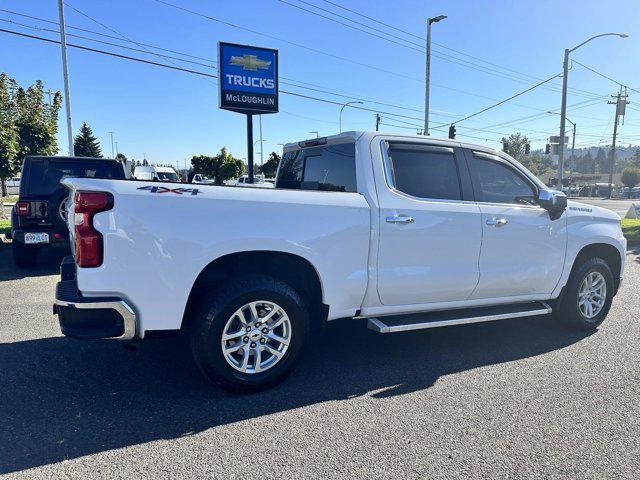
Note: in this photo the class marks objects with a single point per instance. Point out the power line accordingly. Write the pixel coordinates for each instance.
(251, 31)
(103, 42)
(44, 20)
(391, 40)
(112, 30)
(603, 75)
(285, 81)
(395, 39)
(506, 100)
(172, 67)
(423, 39)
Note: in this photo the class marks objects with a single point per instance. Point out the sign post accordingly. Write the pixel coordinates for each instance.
(248, 84)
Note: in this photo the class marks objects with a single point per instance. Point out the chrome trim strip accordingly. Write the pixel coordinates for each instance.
(379, 326)
(127, 313)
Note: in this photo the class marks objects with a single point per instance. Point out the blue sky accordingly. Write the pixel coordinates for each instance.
(168, 116)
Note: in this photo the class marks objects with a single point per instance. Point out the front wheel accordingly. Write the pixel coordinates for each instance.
(249, 335)
(588, 295)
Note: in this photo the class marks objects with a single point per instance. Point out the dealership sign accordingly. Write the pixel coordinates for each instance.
(248, 80)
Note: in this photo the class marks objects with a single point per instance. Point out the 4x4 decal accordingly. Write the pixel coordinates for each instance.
(178, 191)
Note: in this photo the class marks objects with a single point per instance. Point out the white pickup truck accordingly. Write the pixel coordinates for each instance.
(407, 232)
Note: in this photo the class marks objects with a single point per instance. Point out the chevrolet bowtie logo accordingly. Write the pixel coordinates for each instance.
(250, 62)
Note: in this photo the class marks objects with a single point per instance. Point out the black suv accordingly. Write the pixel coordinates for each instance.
(38, 219)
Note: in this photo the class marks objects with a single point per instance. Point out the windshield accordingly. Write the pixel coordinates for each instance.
(44, 175)
(168, 176)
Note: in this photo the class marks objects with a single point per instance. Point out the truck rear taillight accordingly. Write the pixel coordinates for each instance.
(88, 241)
(23, 209)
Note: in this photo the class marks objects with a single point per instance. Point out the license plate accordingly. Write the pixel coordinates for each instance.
(36, 238)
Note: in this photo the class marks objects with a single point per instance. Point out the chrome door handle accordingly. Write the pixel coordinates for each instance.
(497, 222)
(400, 219)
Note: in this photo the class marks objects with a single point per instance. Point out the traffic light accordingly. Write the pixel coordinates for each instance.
(452, 132)
(547, 149)
(504, 147)
(527, 149)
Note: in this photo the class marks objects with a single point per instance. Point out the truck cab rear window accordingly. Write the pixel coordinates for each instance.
(327, 168)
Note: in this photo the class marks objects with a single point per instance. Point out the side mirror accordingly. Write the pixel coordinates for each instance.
(553, 201)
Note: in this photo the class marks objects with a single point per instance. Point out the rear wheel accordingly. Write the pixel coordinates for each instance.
(588, 295)
(249, 335)
(24, 256)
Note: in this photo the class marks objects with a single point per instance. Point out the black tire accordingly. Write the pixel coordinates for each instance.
(24, 256)
(216, 308)
(569, 312)
(55, 201)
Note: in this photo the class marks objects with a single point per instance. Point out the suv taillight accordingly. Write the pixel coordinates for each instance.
(23, 209)
(88, 241)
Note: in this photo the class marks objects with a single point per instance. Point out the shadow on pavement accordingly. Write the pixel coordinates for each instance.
(48, 263)
(63, 399)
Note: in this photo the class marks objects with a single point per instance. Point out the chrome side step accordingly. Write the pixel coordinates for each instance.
(420, 321)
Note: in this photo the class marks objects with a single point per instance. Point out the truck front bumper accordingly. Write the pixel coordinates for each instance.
(90, 318)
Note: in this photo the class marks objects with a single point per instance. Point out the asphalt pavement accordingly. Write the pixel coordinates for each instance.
(520, 398)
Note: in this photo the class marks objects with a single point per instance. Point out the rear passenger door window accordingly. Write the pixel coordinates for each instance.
(424, 171)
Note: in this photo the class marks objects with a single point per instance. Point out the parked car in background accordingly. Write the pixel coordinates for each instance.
(258, 182)
(39, 217)
(13, 182)
(159, 174)
(407, 232)
(199, 179)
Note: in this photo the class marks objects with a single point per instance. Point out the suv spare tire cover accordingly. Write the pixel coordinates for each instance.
(56, 202)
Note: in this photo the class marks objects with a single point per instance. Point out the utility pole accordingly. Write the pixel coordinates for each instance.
(48, 92)
(378, 118)
(428, 71)
(65, 73)
(620, 103)
(113, 153)
(573, 146)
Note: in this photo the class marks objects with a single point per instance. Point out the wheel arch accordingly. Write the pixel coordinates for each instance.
(296, 271)
(609, 253)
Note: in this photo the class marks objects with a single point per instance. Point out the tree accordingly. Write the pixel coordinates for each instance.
(270, 167)
(37, 121)
(636, 158)
(85, 144)
(25, 114)
(9, 146)
(534, 164)
(586, 163)
(515, 145)
(631, 176)
(223, 166)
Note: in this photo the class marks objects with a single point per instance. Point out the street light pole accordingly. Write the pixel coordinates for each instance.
(341, 109)
(428, 71)
(65, 74)
(261, 158)
(113, 155)
(563, 110)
